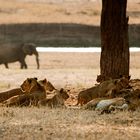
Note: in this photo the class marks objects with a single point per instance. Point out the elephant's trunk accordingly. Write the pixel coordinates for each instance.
(37, 59)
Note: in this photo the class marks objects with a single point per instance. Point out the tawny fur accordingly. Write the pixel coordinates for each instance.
(8, 94)
(57, 100)
(102, 78)
(106, 103)
(133, 99)
(91, 105)
(105, 89)
(34, 92)
(47, 85)
(18, 91)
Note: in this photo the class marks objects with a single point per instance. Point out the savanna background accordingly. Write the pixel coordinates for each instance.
(62, 23)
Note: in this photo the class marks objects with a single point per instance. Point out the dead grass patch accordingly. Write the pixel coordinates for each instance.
(18, 11)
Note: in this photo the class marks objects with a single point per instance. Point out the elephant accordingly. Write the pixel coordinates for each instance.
(18, 52)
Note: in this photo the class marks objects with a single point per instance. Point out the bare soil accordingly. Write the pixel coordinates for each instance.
(74, 71)
(59, 11)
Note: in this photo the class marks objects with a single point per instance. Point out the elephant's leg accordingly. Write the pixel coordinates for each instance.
(6, 65)
(23, 64)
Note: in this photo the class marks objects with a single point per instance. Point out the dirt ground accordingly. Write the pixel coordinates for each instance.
(74, 71)
(59, 11)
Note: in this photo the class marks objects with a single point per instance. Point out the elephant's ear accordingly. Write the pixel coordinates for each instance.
(28, 48)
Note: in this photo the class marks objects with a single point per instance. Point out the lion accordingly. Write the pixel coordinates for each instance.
(57, 100)
(133, 99)
(110, 87)
(105, 104)
(104, 89)
(47, 85)
(87, 95)
(17, 100)
(8, 94)
(34, 91)
(102, 78)
(135, 83)
(18, 91)
(91, 105)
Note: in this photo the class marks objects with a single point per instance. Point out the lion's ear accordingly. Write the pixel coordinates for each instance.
(44, 80)
(116, 81)
(35, 78)
(29, 80)
(129, 77)
(61, 90)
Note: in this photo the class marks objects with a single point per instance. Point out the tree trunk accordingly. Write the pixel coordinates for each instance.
(114, 59)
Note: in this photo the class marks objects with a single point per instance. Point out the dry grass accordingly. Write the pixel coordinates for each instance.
(81, 12)
(66, 124)
(36, 12)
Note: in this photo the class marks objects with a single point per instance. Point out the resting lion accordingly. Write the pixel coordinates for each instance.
(18, 91)
(102, 78)
(34, 91)
(91, 105)
(47, 85)
(105, 89)
(8, 94)
(57, 100)
(106, 105)
(133, 99)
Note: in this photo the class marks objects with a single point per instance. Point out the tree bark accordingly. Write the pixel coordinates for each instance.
(114, 60)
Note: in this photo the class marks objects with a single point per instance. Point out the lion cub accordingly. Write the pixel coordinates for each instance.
(105, 104)
(91, 105)
(57, 100)
(105, 89)
(18, 91)
(102, 78)
(133, 99)
(8, 94)
(33, 90)
(47, 85)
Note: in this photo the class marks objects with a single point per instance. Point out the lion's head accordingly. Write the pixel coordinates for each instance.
(47, 85)
(64, 94)
(123, 82)
(29, 84)
(102, 78)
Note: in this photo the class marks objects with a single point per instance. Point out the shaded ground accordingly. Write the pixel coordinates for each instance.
(74, 71)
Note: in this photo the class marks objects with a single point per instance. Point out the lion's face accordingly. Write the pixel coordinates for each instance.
(122, 83)
(100, 78)
(47, 85)
(64, 94)
(28, 84)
